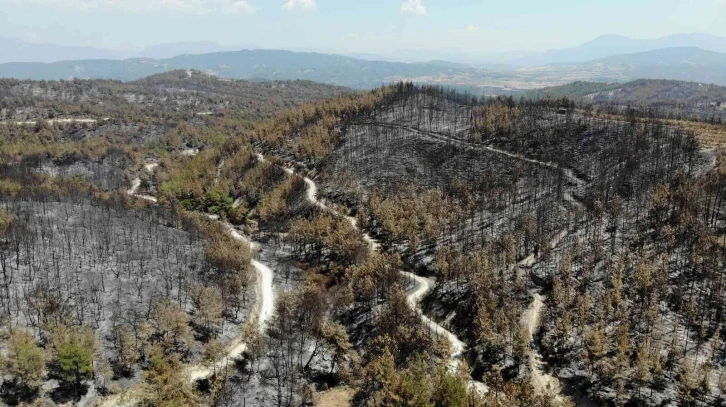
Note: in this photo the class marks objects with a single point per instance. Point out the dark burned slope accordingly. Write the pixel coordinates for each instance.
(617, 221)
(120, 272)
(528, 152)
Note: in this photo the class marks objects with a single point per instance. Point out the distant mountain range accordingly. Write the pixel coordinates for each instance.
(13, 50)
(246, 64)
(16, 50)
(610, 45)
(680, 63)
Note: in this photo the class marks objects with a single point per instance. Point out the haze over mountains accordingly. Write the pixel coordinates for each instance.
(17, 50)
(690, 57)
(609, 45)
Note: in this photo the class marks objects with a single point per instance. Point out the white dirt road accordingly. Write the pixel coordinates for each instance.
(542, 382)
(265, 309)
(135, 184)
(53, 121)
(422, 287)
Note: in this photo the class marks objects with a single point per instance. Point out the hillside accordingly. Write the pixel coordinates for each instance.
(522, 212)
(683, 63)
(672, 99)
(182, 92)
(643, 91)
(407, 243)
(572, 90)
(95, 128)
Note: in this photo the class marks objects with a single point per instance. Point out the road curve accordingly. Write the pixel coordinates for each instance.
(266, 305)
(542, 382)
(135, 185)
(421, 288)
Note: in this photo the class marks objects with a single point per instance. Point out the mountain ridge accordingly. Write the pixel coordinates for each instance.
(15, 50)
(678, 63)
(612, 44)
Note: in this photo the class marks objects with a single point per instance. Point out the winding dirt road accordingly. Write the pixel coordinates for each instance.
(421, 288)
(135, 184)
(235, 349)
(542, 382)
(265, 309)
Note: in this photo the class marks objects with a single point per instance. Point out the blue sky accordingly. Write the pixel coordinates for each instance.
(351, 26)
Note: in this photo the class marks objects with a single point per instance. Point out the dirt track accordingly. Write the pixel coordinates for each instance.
(265, 308)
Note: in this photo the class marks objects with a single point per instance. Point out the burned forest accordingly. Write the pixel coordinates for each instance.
(184, 240)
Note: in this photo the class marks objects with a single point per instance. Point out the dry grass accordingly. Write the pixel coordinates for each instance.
(336, 397)
(711, 136)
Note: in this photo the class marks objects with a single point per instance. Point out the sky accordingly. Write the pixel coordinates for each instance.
(353, 26)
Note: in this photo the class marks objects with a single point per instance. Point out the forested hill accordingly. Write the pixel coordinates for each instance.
(178, 92)
(641, 91)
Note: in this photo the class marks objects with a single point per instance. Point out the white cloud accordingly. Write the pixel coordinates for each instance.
(145, 6)
(413, 7)
(471, 28)
(242, 6)
(306, 4)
